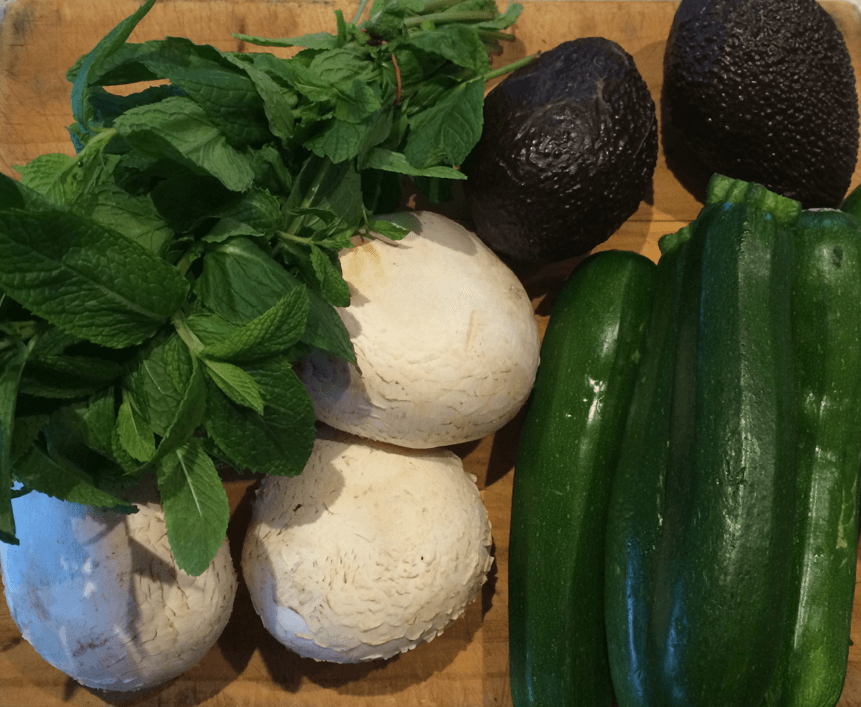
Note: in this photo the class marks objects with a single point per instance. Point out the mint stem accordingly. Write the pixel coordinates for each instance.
(308, 197)
(190, 339)
(437, 5)
(184, 263)
(465, 16)
(94, 144)
(285, 235)
(508, 68)
(359, 12)
(488, 34)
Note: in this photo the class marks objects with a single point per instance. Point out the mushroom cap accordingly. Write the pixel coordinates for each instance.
(371, 551)
(445, 338)
(99, 596)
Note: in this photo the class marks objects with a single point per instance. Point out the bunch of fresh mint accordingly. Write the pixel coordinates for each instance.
(157, 288)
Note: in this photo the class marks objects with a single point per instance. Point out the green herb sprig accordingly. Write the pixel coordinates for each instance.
(157, 288)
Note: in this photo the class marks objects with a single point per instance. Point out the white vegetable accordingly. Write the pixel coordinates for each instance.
(371, 551)
(445, 339)
(99, 596)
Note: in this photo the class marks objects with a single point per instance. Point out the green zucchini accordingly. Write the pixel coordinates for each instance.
(722, 571)
(563, 475)
(710, 580)
(826, 328)
(636, 501)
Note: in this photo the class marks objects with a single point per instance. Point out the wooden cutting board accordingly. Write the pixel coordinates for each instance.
(468, 665)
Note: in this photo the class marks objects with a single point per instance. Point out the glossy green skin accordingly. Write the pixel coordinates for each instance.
(708, 582)
(826, 328)
(637, 499)
(564, 471)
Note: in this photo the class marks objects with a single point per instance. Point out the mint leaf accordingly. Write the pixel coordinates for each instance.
(438, 191)
(136, 217)
(88, 423)
(236, 384)
(326, 330)
(332, 284)
(274, 331)
(417, 67)
(221, 88)
(107, 107)
(179, 129)
(240, 281)
(446, 132)
(187, 200)
(335, 188)
(356, 101)
(68, 442)
(381, 191)
(102, 199)
(134, 433)
(12, 361)
(51, 342)
(127, 462)
(505, 20)
(387, 16)
(315, 40)
(337, 140)
(306, 83)
(380, 158)
(257, 208)
(94, 60)
(226, 228)
(257, 213)
(211, 329)
(15, 195)
(120, 66)
(459, 44)
(277, 101)
(195, 506)
(341, 141)
(84, 278)
(49, 175)
(270, 171)
(68, 376)
(390, 230)
(27, 430)
(167, 389)
(277, 442)
(342, 65)
(39, 472)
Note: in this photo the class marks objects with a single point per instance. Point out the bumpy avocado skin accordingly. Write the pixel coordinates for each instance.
(764, 91)
(567, 153)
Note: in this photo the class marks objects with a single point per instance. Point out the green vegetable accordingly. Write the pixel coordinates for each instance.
(157, 286)
(709, 585)
(636, 498)
(826, 329)
(564, 472)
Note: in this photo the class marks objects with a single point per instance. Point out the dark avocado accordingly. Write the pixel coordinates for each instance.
(567, 153)
(763, 91)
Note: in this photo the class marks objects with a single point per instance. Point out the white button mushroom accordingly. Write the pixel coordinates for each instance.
(445, 339)
(371, 551)
(99, 596)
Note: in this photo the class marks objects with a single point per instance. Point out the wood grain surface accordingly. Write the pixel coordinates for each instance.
(468, 665)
